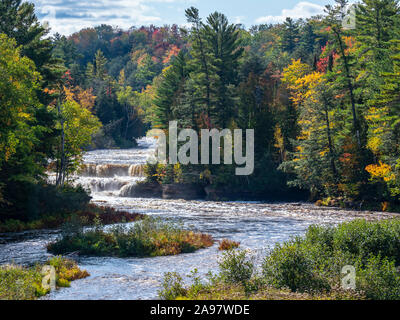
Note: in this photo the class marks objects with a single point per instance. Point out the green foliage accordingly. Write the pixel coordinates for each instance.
(19, 21)
(147, 238)
(236, 267)
(21, 283)
(41, 201)
(17, 283)
(331, 131)
(313, 263)
(78, 125)
(289, 266)
(172, 286)
(379, 279)
(18, 99)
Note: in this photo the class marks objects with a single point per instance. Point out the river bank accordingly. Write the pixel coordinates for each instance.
(28, 283)
(256, 225)
(88, 216)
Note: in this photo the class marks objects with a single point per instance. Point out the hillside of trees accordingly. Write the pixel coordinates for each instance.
(324, 101)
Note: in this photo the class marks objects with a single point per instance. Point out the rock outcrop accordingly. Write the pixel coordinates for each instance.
(142, 190)
(183, 191)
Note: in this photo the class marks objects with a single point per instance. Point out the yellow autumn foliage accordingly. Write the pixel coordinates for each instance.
(381, 170)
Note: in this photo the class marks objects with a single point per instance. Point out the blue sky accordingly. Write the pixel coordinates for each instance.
(68, 16)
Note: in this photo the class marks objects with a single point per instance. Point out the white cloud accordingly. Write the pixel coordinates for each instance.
(301, 10)
(68, 16)
(238, 19)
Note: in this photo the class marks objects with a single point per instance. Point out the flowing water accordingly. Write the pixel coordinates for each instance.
(107, 173)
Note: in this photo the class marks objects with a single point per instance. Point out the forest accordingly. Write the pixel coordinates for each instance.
(316, 220)
(323, 101)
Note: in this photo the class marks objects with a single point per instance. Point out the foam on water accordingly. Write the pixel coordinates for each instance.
(256, 225)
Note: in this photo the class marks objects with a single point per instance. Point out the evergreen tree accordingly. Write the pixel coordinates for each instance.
(100, 65)
(170, 91)
(290, 35)
(345, 69)
(375, 28)
(223, 39)
(18, 21)
(202, 65)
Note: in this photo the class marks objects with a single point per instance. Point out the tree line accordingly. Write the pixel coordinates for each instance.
(323, 100)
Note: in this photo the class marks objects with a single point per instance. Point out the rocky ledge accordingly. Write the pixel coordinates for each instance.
(183, 191)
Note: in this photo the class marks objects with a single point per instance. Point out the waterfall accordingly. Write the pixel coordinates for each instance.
(111, 172)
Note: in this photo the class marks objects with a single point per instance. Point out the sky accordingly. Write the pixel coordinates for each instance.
(69, 16)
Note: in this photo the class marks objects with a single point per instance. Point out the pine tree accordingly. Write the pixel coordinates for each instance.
(169, 91)
(100, 65)
(223, 39)
(18, 21)
(202, 65)
(290, 35)
(346, 62)
(384, 127)
(375, 28)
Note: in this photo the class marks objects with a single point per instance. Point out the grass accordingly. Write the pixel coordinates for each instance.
(216, 288)
(222, 292)
(307, 268)
(147, 238)
(23, 283)
(89, 217)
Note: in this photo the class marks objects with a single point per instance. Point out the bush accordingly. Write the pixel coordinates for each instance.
(236, 267)
(85, 217)
(172, 287)
(366, 239)
(29, 201)
(226, 245)
(359, 238)
(20, 283)
(147, 238)
(379, 279)
(289, 266)
(313, 263)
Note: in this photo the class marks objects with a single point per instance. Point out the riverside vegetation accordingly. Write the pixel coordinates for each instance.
(307, 267)
(89, 215)
(323, 102)
(25, 283)
(149, 237)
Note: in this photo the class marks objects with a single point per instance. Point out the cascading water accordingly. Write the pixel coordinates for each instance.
(107, 173)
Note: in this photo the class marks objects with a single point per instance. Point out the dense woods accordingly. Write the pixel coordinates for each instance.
(323, 101)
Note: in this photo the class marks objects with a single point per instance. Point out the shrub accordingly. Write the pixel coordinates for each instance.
(226, 245)
(314, 262)
(146, 238)
(20, 283)
(366, 239)
(155, 173)
(172, 287)
(236, 267)
(288, 266)
(379, 279)
(31, 201)
(67, 270)
(88, 216)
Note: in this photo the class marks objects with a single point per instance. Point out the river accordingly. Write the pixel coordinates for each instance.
(108, 173)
